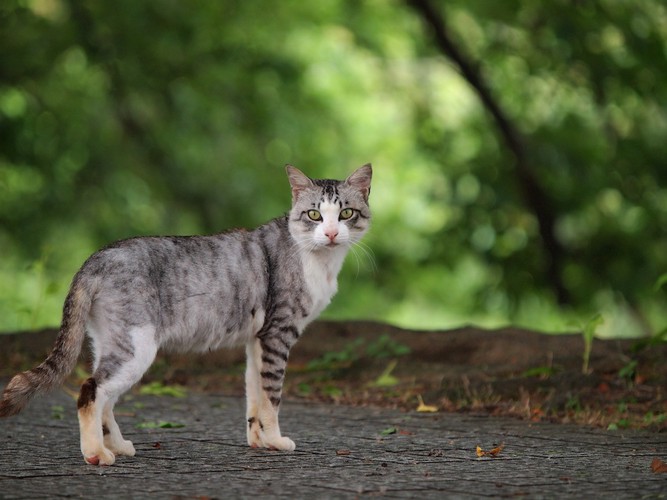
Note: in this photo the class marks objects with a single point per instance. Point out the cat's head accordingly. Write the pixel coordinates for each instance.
(328, 214)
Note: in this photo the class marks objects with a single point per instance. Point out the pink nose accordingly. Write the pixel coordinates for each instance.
(331, 234)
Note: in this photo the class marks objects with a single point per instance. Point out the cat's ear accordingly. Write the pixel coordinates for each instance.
(298, 180)
(361, 179)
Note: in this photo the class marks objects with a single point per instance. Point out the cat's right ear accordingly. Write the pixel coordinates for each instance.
(298, 180)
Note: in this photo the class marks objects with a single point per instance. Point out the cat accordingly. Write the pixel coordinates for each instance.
(256, 288)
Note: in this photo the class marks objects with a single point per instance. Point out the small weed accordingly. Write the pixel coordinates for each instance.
(57, 412)
(573, 404)
(304, 389)
(629, 371)
(543, 372)
(159, 389)
(386, 347)
(589, 334)
(654, 419)
(161, 424)
(333, 391)
(336, 360)
(386, 379)
(383, 347)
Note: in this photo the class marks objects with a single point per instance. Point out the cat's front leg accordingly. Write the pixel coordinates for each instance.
(267, 360)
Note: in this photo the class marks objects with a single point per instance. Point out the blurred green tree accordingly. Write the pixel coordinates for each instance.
(519, 146)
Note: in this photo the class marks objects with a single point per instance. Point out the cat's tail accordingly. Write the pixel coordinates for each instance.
(62, 359)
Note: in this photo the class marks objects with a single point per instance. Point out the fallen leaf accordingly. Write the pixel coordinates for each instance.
(388, 431)
(404, 432)
(424, 408)
(159, 425)
(490, 453)
(658, 466)
(343, 452)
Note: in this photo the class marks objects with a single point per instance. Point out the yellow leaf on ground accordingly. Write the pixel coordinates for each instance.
(424, 408)
(490, 453)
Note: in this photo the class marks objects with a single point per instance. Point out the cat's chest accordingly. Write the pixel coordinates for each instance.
(321, 278)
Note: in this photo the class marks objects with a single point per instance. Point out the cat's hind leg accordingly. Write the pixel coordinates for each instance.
(90, 406)
(117, 370)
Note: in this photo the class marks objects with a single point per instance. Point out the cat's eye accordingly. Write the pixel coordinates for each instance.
(314, 215)
(346, 213)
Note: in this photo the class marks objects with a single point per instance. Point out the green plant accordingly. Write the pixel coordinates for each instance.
(161, 424)
(159, 389)
(337, 359)
(57, 412)
(629, 371)
(386, 379)
(386, 347)
(588, 333)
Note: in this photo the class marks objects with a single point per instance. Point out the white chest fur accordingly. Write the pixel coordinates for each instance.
(321, 274)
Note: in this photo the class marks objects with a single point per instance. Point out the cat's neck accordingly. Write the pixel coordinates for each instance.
(320, 271)
(326, 260)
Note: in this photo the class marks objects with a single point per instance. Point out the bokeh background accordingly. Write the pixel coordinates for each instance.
(519, 147)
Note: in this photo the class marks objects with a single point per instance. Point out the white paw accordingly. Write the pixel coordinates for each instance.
(122, 447)
(280, 443)
(100, 457)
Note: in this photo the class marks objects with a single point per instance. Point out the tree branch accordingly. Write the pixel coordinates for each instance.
(532, 192)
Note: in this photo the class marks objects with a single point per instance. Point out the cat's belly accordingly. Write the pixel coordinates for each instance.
(208, 334)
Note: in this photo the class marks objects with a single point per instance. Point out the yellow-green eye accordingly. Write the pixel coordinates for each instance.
(314, 215)
(346, 213)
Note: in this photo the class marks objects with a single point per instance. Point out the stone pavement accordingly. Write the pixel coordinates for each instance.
(342, 452)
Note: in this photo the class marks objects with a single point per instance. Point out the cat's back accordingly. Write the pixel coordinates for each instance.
(158, 256)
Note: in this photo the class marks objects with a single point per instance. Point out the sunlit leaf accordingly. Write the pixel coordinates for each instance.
(423, 407)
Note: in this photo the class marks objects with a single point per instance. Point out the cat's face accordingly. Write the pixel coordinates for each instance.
(328, 214)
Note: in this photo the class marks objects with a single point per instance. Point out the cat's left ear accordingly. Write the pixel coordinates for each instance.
(298, 180)
(361, 180)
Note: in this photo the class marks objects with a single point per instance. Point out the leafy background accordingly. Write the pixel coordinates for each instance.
(518, 146)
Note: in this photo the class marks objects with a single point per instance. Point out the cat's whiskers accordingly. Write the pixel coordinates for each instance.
(359, 248)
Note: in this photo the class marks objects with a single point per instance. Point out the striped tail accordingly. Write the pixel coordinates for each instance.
(59, 363)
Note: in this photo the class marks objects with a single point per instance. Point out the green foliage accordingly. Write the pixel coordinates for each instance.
(629, 371)
(588, 332)
(383, 347)
(160, 424)
(129, 118)
(159, 389)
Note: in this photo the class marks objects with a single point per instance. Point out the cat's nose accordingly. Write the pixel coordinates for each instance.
(331, 234)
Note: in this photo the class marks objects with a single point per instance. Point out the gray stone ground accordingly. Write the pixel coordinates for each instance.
(341, 453)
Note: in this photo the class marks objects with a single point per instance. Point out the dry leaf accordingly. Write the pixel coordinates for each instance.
(491, 453)
(424, 408)
(343, 452)
(658, 466)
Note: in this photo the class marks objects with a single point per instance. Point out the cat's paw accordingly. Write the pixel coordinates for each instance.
(101, 457)
(121, 447)
(280, 443)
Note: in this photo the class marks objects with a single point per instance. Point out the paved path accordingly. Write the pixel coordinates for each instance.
(341, 453)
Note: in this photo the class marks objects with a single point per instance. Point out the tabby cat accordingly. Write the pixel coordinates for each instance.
(256, 288)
